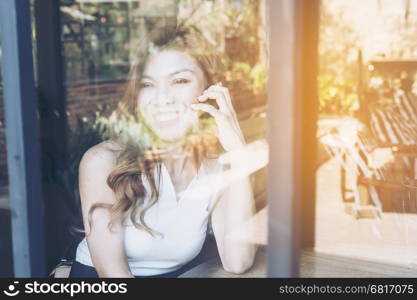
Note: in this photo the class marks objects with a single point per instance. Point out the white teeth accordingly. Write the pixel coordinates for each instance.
(166, 116)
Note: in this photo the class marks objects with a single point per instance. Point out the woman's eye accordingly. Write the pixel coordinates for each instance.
(181, 81)
(145, 84)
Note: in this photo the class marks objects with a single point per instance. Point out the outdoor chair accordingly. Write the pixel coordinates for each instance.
(378, 159)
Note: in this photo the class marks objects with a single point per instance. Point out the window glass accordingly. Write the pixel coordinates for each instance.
(366, 179)
(100, 44)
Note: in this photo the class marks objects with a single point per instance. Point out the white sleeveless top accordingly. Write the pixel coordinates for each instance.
(183, 224)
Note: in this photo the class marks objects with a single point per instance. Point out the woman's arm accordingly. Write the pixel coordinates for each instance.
(233, 208)
(234, 205)
(106, 247)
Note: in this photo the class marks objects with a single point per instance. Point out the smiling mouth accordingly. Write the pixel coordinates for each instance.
(166, 118)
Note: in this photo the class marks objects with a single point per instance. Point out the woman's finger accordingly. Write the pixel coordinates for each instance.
(221, 102)
(226, 95)
(225, 92)
(208, 109)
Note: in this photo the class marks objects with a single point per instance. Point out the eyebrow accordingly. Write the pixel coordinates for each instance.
(172, 74)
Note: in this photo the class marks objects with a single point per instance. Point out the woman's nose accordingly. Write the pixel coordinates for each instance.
(163, 96)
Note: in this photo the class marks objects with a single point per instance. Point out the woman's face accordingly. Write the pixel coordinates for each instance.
(171, 81)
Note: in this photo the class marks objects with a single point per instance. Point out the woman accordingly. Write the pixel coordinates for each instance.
(147, 215)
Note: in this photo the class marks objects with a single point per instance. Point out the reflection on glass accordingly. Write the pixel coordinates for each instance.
(167, 116)
(366, 182)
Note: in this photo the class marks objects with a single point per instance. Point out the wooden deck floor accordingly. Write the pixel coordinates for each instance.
(392, 239)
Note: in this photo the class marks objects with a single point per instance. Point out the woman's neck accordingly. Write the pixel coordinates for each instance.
(176, 162)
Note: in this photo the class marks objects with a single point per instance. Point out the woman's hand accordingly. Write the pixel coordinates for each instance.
(228, 129)
(234, 205)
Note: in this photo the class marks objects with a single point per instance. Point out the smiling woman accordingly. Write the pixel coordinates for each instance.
(146, 205)
(171, 82)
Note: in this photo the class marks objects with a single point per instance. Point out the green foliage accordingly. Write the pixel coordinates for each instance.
(338, 48)
(337, 95)
(253, 78)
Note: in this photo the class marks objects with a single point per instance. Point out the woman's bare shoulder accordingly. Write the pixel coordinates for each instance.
(102, 155)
